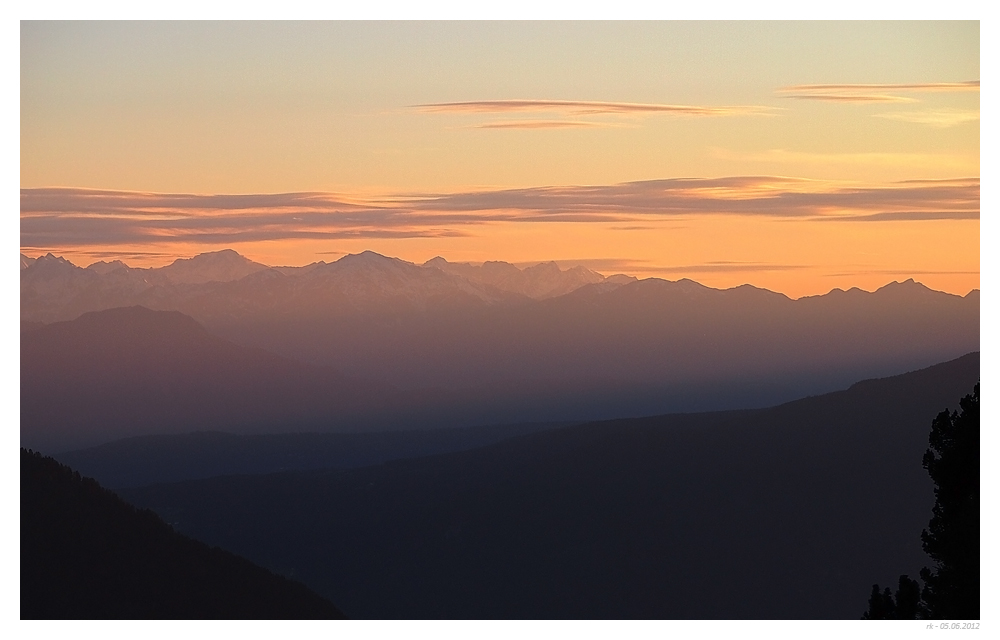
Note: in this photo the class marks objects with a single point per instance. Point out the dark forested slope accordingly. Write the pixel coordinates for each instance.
(787, 512)
(86, 554)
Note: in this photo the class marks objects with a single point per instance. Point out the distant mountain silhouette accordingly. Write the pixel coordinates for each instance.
(545, 280)
(86, 554)
(53, 289)
(132, 371)
(102, 267)
(27, 325)
(612, 348)
(214, 266)
(787, 512)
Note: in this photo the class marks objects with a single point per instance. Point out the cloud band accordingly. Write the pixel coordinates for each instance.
(75, 217)
(584, 107)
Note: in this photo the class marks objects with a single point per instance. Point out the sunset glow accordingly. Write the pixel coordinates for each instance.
(797, 157)
(657, 323)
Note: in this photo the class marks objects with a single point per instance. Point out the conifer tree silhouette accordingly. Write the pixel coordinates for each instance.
(951, 588)
(905, 606)
(880, 605)
(908, 604)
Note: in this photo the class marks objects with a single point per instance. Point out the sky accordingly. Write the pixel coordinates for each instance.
(795, 156)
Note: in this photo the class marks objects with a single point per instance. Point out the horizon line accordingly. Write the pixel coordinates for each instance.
(707, 267)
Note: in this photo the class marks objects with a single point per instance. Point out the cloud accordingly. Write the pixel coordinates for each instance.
(743, 195)
(543, 124)
(861, 93)
(130, 254)
(941, 118)
(79, 217)
(585, 107)
(896, 216)
(131, 202)
(833, 97)
(969, 85)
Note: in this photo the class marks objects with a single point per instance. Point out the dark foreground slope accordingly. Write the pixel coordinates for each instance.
(788, 512)
(86, 554)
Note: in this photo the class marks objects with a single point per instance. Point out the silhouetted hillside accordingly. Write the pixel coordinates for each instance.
(27, 325)
(133, 371)
(143, 460)
(86, 554)
(787, 512)
(600, 341)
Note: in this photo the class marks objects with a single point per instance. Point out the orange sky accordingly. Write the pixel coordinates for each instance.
(793, 156)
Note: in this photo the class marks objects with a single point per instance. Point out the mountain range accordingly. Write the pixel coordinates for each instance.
(444, 344)
(53, 288)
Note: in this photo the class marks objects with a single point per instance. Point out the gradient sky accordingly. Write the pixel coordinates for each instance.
(793, 156)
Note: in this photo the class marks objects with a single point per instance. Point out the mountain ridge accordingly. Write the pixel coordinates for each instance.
(228, 266)
(132, 370)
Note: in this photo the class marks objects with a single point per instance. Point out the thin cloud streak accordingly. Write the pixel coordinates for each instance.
(898, 216)
(543, 124)
(862, 93)
(832, 97)
(131, 202)
(585, 107)
(74, 217)
(941, 118)
(968, 85)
